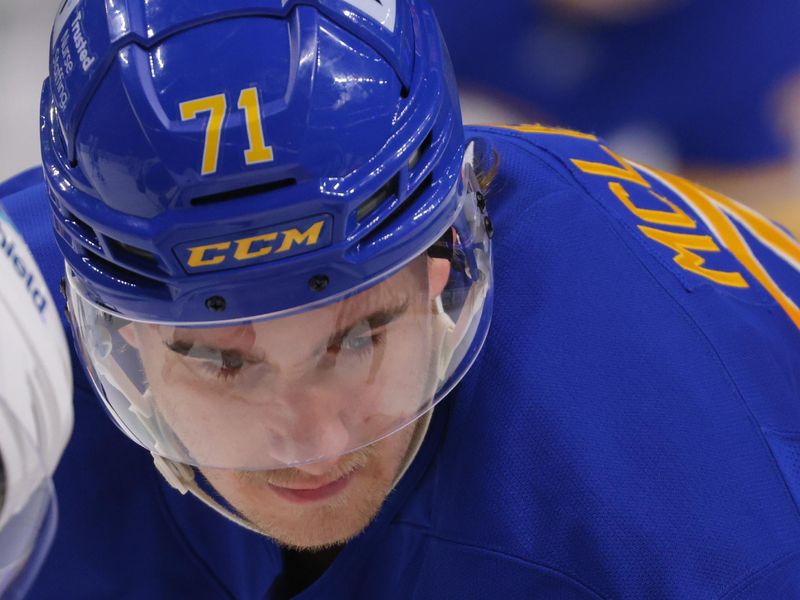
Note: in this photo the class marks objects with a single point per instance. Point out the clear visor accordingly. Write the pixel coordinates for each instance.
(277, 391)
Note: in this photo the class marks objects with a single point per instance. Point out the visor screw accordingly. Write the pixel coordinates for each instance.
(480, 199)
(216, 304)
(318, 283)
(487, 223)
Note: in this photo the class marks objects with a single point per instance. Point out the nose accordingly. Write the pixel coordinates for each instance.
(312, 428)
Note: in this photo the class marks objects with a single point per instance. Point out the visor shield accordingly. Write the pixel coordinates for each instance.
(276, 391)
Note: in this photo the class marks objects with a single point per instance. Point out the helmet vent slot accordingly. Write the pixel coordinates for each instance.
(117, 273)
(242, 193)
(423, 187)
(399, 212)
(378, 198)
(420, 151)
(134, 256)
(82, 230)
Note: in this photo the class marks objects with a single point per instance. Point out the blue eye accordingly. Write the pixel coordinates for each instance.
(359, 339)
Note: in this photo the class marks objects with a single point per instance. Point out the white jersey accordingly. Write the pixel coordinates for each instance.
(35, 400)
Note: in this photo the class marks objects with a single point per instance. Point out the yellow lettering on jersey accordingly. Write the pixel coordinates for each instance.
(774, 237)
(243, 247)
(708, 204)
(674, 217)
(197, 255)
(683, 244)
(624, 170)
(536, 128)
(308, 237)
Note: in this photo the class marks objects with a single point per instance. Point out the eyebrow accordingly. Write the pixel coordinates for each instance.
(376, 319)
(379, 318)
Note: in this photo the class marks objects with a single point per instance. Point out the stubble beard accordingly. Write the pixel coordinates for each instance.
(334, 522)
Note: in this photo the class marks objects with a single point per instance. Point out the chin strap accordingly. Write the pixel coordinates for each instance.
(182, 478)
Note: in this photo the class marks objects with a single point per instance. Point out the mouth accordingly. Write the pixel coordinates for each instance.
(312, 493)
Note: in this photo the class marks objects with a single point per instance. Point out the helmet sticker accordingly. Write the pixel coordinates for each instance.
(70, 50)
(67, 7)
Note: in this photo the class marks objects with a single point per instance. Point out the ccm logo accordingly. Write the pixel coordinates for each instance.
(231, 253)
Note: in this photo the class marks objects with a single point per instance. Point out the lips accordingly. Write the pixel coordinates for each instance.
(302, 495)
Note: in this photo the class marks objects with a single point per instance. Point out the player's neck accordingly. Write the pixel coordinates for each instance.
(301, 568)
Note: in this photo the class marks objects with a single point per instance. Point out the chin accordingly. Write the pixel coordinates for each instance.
(313, 525)
(321, 526)
(314, 522)
(319, 532)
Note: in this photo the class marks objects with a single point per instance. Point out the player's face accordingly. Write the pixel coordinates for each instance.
(290, 390)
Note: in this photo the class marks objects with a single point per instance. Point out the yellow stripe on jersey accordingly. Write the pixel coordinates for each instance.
(537, 128)
(710, 206)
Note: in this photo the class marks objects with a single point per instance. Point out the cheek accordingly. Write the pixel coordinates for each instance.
(390, 452)
(230, 486)
(407, 365)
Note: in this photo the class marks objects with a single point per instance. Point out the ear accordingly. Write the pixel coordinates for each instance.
(438, 274)
(129, 334)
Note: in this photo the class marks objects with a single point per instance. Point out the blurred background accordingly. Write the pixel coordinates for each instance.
(706, 88)
(24, 37)
(709, 89)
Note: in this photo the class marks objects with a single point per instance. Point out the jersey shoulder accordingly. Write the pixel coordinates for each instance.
(24, 199)
(727, 277)
(20, 181)
(702, 238)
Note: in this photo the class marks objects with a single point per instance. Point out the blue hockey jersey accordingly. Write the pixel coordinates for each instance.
(630, 430)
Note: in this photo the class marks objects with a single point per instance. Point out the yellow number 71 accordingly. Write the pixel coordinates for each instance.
(216, 106)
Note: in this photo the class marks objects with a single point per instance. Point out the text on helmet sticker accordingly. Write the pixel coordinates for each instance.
(67, 7)
(256, 246)
(70, 51)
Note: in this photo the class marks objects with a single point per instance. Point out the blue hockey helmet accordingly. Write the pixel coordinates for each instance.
(229, 178)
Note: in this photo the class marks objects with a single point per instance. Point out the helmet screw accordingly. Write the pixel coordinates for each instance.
(216, 304)
(318, 283)
(487, 223)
